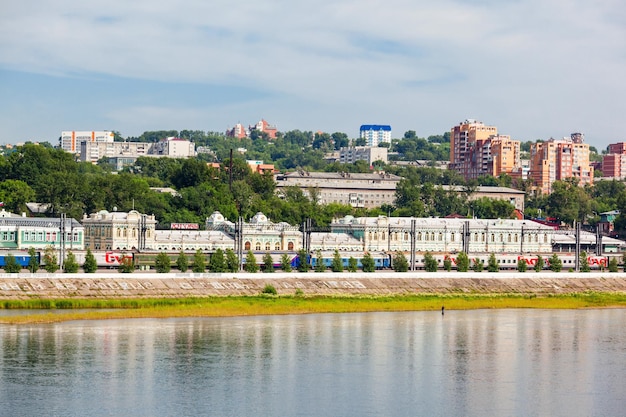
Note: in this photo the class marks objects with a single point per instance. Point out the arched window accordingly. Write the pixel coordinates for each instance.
(277, 246)
(258, 246)
(508, 239)
(382, 236)
(419, 235)
(267, 246)
(440, 236)
(406, 236)
(247, 245)
(545, 238)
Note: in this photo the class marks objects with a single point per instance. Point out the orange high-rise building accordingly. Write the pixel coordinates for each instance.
(559, 159)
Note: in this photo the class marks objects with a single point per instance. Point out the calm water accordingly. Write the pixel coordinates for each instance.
(473, 363)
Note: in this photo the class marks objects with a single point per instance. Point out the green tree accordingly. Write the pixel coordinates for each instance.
(478, 265)
(162, 263)
(462, 262)
(127, 264)
(320, 266)
(613, 265)
(232, 261)
(70, 265)
(555, 263)
(447, 263)
(367, 263)
(303, 264)
(11, 266)
(285, 263)
(50, 260)
(430, 263)
(522, 265)
(492, 264)
(199, 262)
(33, 261)
(251, 265)
(91, 265)
(182, 263)
(400, 263)
(353, 264)
(337, 264)
(584, 262)
(539, 264)
(268, 263)
(217, 262)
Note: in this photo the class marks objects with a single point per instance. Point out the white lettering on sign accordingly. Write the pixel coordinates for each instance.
(184, 226)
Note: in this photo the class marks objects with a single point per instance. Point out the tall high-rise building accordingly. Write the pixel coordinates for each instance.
(559, 159)
(476, 150)
(375, 134)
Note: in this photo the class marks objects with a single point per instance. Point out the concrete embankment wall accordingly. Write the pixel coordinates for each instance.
(114, 284)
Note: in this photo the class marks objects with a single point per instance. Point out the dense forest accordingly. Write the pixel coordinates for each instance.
(52, 177)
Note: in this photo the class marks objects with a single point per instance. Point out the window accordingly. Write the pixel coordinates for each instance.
(267, 246)
(290, 246)
(247, 245)
(277, 246)
(258, 246)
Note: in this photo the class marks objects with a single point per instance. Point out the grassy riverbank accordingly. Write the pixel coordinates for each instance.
(269, 305)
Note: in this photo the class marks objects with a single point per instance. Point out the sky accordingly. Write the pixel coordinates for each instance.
(536, 69)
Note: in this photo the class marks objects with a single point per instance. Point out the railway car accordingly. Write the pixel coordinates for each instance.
(381, 259)
(22, 258)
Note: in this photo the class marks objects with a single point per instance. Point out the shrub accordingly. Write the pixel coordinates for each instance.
(269, 289)
(127, 265)
(285, 263)
(268, 263)
(353, 264)
(447, 263)
(400, 263)
(337, 264)
(51, 263)
(70, 265)
(162, 263)
(462, 262)
(91, 265)
(367, 263)
(303, 264)
(199, 263)
(33, 262)
(613, 265)
(555, 263)
(232, 261)
(492, 264)
(478, 265)
(10, 264)
(319, 262)
(584, 262)
(251, 265)
(217, 263)
(539, 264)
(522, 266)
(182, 263)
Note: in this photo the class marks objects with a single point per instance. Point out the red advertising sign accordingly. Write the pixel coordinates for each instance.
(184, 226)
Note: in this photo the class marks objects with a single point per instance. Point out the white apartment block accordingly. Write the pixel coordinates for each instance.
(170, 147)
(71, 141)
(375, 134)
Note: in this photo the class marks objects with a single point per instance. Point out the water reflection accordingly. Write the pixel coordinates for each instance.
(475, 363)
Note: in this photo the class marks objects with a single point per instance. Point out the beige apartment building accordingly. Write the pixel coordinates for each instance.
(357, 190)
(559, 159)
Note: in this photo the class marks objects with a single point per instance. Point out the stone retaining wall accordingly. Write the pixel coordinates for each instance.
(113, 285)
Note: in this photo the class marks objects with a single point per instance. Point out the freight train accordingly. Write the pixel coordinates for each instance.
(382, 260)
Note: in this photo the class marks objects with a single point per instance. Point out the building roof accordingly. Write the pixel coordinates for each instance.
(376, 127)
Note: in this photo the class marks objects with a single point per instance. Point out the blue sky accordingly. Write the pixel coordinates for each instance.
(534, 68)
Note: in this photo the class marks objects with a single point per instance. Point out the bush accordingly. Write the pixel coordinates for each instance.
(522, 266)
(269, 289)
(10, 264)
(199, 263)
(182, 263)
(268, 263)
(303, 264)
(251, 265)
(162, 263)
(555, 263)
(367, 263)
(400, 263)
(91, 265)
(337, 264)
(462, 262)
(70, 265)
(584, 263)
(319, 262)
(478, 265)
(492, 264)
(430, 263)
(539, 264)
(353, 264)
(613, 265)
(447, 263)
(285, 263)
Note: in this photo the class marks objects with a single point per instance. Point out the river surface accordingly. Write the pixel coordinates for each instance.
(464, 363)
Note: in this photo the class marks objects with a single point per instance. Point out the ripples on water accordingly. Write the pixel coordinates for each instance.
(471, 363)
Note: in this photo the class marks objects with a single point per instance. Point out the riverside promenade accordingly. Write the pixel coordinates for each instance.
(148, 284)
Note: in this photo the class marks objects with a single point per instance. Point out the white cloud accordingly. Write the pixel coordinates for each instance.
(508, 63)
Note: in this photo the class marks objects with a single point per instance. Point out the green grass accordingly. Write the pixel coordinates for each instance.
(269, 305)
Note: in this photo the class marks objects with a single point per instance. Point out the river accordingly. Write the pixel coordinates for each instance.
(463, 363)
